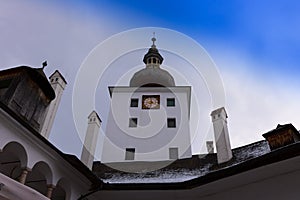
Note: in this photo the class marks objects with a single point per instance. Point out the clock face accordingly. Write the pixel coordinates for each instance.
(150, 102)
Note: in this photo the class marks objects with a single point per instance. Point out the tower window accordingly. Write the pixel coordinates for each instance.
(134, 102)
(154, 60)
(129, 154)
(133, 122)
(171, 123)
(170, 102)
(173, 153)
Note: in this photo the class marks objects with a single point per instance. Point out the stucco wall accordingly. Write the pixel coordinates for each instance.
(151, 138)
(38, 152)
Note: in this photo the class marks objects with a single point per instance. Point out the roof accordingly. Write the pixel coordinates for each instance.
(256, 155)
(37, 75)
(62, 77)
(218, 111)
(281, 127)
(180, 170)
(153, 52)
(94, 112)
(152, 76)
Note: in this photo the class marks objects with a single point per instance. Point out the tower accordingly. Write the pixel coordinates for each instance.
(219, 119)
(90, 141)
(27, 92)
(58, 84)
(149, 120)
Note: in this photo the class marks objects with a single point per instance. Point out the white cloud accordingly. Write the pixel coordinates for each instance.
(33, 31)
(256, 102)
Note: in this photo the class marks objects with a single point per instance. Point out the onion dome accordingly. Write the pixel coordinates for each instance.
(152, 75)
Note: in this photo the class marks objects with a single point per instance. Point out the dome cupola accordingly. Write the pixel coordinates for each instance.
(153, 58)
(152, 75)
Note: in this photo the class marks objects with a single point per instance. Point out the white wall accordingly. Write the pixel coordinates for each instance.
(13, 190)
(151, 139)
(36, 150)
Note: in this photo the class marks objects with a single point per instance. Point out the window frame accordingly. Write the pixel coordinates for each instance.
(171, 120)
(134, 102)
(132, 121)
(171, 154)
(171, 99)
(129, 153)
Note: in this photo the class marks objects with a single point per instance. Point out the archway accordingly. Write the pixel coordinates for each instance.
(12, 159)
(62, 190)
(40, 178)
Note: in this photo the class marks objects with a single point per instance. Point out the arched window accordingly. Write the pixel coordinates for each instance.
(61, 189)
(40, 177)
(154, 60)
(13, 158)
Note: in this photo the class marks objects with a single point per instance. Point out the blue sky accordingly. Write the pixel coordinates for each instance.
(255, 45)
(266, 30)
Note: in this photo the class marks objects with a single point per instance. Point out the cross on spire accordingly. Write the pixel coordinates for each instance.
(153, 40)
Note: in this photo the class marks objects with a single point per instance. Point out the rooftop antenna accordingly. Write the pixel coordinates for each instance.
(44, 64)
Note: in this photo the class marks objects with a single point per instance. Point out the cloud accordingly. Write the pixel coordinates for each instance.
(256, 100)
(32, 32)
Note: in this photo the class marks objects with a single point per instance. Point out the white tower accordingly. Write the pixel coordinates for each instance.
(219, 119)
(58, 84)
(149, 120)
(90, 141)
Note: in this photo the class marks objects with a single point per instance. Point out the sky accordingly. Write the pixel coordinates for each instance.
(255, 46)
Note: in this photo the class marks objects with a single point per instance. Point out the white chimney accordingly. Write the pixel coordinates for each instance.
(58, 84)
(90, 141)
(210, 146)
(219, 119)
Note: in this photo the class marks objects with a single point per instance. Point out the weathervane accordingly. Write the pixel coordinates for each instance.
(44, 64)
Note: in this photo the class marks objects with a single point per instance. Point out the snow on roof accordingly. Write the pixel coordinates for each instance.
(159, 176)
(185, 173)
(253, 150)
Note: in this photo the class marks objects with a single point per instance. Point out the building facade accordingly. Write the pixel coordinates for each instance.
(30, 166)
(149, 119)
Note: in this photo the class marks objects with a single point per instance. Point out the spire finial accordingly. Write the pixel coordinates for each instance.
(44, 64)
(153, 40)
